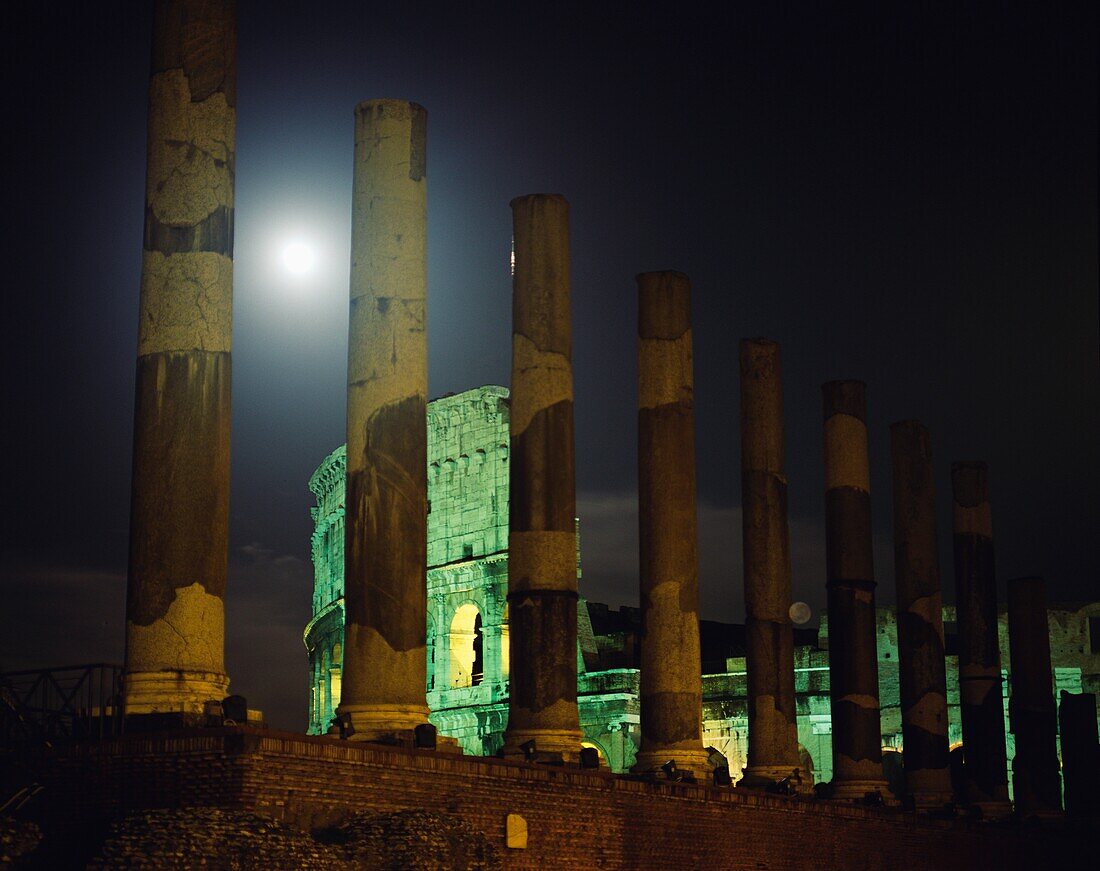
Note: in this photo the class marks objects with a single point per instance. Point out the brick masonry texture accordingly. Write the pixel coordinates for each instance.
(576, 819)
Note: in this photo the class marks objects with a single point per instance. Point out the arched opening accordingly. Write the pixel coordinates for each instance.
(505, 645)
(958, 772)
(466, 647)
(717, 761)
(893, 769)
(806, 766)
(599, 752)
(336, 675)
(431, 655)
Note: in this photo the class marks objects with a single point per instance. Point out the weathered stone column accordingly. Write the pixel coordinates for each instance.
(542, 559)
(385, 551)
(1080, 753)
(773, 730)
(853, 659)
(981, 703)
(179, 506)
(922, 668)
(1032, 714)
(671, 678)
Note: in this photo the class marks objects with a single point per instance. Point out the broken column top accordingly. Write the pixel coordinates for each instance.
(845, 397)
(970, 481)
(557, 198)
(664, 304)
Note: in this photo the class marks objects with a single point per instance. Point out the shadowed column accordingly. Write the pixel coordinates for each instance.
(922, 669)
(853, 660)
(179, 508)
(981, 703)
(671, 677)
(1032, 715)
(773, 730)
(385, 552)
(1080, 753)
(542, 558)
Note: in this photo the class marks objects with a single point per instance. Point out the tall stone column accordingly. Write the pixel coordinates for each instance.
(179, 505)
(981, 702)
(853, 659)
(922, 668)
(542, 559)
(773, 730)
(385, 551)
(1032, 714)
(1080, 753)
(671, 678)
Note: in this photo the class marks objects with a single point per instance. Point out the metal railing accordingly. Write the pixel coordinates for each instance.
(41, 706)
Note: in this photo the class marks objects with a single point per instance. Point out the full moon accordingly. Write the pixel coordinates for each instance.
(298, 258)
(800, 613)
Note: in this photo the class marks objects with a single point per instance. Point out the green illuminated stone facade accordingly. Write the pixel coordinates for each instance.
(467, 688)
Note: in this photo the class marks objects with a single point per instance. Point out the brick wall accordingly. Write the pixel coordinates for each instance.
(577, 819)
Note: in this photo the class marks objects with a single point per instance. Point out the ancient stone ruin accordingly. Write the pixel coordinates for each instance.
(190, 778)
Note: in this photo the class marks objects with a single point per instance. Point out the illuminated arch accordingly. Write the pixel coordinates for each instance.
(430, 669)
(505, 644)
(599, 752)
(465, 653)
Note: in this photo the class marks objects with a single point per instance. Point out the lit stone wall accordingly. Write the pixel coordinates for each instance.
(468, 475)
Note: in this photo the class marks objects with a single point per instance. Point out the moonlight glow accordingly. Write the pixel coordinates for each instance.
(298, 258)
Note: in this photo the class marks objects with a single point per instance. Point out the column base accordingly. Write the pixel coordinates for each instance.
(993, 810)
(763, 774)
(567, 742)
(929, 788)
(171, 691)
(856, 790)
(694, 762)
(925, 801)
(383, 723)
(1046, 815)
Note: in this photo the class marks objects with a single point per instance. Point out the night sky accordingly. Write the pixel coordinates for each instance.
(904, 197)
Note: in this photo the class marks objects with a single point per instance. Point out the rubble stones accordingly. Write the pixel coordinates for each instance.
(224, 839)
(416, 839)
(211, 838)
(18, 839)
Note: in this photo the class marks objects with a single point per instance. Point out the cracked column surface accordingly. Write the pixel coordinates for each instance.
(853, 659)
(981, 702)
(921, 664)
(773, 730)
(179, 504)
(671, 678)
(542, 558)
(385, 545)
(1032, 715)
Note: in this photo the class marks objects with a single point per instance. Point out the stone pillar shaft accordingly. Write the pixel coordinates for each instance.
(542, 560)
(385, 553)
(1032, 714)
(922, 668)
(1080, 753)
(671, 677)
(981, 701)
(853, 659)
(773, 730)
(179, 509)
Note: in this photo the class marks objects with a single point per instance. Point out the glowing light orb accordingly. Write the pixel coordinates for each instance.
(298, 258)
(800, 613)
